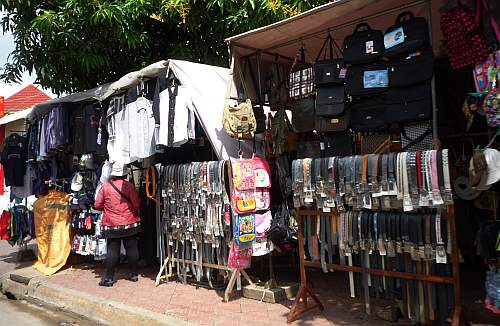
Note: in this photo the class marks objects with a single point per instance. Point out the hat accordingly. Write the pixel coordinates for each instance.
(477, 170)
(119, 170)
(493, 162)
(464, 190)
(87, 161)
(77, 182)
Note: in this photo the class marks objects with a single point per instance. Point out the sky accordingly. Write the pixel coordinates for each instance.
(7, 45)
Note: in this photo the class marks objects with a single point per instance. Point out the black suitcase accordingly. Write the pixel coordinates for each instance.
(330, 101)
(369, 113)
(303, 115)
(332, 70)
(364, 45)
(409, 104)
(368, 79)
(407, 35)
(341, 123)
(411, 70)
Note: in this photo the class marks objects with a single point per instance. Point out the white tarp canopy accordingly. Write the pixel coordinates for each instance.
(15, 116)
(340, 18)
(207, 86)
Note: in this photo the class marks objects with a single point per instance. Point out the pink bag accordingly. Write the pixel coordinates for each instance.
(262, 199)
(239, 258)
(263, 223)
(262, 172)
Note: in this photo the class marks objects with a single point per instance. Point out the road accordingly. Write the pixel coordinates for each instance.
(14, 312)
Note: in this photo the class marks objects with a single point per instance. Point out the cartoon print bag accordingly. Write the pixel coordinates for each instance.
(263, 223)
(262, 199)
(262, 172)
(244, 228)
(244, 201)
(492, 107)
(243, 175)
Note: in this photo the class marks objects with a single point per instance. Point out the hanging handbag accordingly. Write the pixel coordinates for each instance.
(369, 113)
(409, 104)
(329, 71)
(341, 123)
(338, 144)
(244, 228)
(303, 115)
(301, 77)
(238, 121)
(414, 69)
(416, 136)
(330, 101)
(368, 79)
(364, 45)
(308, 149)
(465, 44)
(277, 93)
(408, 34)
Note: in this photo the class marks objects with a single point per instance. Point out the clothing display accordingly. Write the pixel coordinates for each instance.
(13, 158)
(17, 225)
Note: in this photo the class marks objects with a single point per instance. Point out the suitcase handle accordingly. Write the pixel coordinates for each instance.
(365, 25)
(406, 14)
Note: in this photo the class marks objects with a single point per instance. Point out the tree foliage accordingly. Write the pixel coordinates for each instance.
(73, 45)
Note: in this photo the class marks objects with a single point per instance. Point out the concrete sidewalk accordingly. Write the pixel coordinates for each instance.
(76, 289)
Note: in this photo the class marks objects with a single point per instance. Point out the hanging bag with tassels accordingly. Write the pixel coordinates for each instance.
(238, 121)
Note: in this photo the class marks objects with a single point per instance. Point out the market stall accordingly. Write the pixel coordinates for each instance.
(365, 80)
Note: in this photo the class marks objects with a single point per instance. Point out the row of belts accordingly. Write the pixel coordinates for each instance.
(407, 180)
(389, 234)
(195, 202)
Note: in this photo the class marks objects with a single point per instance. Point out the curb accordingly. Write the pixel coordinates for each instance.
(102, 312)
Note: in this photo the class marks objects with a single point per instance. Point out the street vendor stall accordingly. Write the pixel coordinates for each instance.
(369, 82)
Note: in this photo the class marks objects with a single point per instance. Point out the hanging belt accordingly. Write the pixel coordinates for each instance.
(440, 250)
(447, 194)
(151, 196)
(436, 195)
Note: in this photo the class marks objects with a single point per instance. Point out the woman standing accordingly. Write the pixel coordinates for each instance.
(120, 202)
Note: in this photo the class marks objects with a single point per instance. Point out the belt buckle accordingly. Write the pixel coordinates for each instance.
(428, 252)
(414, 253)
(390, 249)
(399, 247)
(440, 254)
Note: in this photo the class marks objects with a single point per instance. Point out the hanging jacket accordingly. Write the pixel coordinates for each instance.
(120, 209)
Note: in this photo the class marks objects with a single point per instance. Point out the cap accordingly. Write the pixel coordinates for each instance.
(77, 182)
(493, 162)
(464, 190)
(477, 171)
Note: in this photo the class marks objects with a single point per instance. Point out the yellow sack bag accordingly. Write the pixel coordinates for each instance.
(53, 233)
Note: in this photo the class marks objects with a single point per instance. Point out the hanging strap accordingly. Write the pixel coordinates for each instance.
(332, 47)
(151, 195)
(483, 4)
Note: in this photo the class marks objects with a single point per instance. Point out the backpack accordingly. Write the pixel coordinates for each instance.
(238, 121)
(280, 232)
(466, 45)
(280, 126)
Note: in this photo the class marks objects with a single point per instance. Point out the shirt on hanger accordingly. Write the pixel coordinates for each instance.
(177, 120)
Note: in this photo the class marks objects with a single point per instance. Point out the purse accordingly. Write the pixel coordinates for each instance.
(369, 113)
(364, 45)
(303, 115)
(308, 149)
(330, 101)
(368, 79)
(329, 71)
(409, 104)
(341, 123)
(414, 69)
(338, 144)
(408, 34)
(238, 121)
(301, 77)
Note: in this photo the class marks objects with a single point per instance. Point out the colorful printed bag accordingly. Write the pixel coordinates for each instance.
(244, 228)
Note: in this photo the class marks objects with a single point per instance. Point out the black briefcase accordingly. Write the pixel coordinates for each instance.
(341, 123)
(409, 104)
(329, 71)
(303, 115)
(338, 144)
(368, 79)
(330, 101)
(411, 70)
(364, 45)
(408, 34)
(368, 113)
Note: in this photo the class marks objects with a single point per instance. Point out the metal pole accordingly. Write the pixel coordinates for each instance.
(435, 111)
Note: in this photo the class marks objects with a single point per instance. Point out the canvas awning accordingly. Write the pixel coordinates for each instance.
(337, 17)
(15, 116)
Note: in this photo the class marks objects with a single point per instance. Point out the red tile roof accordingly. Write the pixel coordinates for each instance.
(25, 98)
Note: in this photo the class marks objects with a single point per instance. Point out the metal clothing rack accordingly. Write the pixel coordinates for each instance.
(302, 304)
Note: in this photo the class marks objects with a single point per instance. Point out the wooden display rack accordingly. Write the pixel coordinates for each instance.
(302, 305)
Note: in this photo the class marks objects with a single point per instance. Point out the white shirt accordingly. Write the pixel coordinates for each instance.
(141, 129)
(184, 120)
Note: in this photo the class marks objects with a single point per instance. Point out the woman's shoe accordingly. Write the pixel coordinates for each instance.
(106, 282)
(133, 277)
